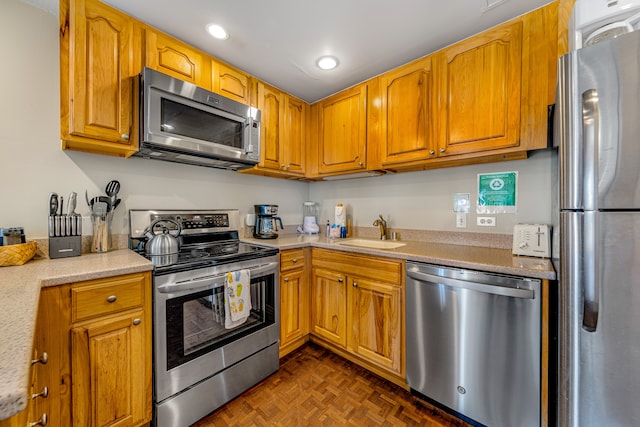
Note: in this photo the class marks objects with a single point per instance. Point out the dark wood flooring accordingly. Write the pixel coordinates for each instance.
(315, 387)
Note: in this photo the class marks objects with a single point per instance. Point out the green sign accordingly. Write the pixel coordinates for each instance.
(497, 192)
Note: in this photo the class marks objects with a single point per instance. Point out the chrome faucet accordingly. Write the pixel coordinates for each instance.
(383, 227)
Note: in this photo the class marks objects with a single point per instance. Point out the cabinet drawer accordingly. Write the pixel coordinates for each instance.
(292, 259)
(100, 297)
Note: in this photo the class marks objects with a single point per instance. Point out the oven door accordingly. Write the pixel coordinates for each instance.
(191, 340)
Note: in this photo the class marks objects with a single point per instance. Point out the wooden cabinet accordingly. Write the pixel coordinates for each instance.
(170, 56)
(97, 67)
(98, 336)
(231, 82)
(294, 299)
(357, 309)
(283, 133)
(479, 92)
(408, 119)
(343, 130)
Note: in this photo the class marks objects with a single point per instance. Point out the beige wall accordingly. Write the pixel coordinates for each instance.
(32, 164)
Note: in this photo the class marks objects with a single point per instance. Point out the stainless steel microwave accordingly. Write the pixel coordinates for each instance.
(181, 122)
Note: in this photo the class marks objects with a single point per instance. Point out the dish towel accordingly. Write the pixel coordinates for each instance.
(237, 298)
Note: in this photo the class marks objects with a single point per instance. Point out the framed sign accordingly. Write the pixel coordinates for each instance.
(497, 193)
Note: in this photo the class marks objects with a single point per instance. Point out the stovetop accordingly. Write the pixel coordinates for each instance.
(207, 238)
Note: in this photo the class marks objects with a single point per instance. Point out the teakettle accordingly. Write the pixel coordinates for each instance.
(164, 243)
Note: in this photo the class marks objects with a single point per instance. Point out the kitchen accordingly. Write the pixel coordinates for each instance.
(403, 198)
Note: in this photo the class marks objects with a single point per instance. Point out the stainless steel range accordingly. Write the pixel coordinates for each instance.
(202, 357)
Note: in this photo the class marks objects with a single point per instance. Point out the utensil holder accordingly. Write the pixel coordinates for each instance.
(101, 238)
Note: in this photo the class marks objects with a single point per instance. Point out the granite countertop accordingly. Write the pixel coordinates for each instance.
(491, 259)
(19, 306)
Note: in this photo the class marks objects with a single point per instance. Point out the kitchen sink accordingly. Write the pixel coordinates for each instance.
(372, 244)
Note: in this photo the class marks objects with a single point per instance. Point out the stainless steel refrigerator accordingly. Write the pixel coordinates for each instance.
(597, 130)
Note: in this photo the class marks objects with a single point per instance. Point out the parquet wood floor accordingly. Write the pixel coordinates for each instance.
(315, 387)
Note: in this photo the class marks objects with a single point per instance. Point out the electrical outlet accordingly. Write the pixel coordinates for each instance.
(461, 220)
(486, 221)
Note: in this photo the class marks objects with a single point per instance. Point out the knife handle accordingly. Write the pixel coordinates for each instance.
(52, 226)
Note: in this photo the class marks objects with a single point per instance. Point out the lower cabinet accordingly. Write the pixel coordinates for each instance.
(294, 299)
(356, 310)
(97, 336)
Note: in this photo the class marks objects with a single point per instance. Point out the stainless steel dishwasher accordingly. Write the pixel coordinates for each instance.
(473, 343)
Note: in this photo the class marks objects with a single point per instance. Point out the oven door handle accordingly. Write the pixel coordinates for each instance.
(207, 281)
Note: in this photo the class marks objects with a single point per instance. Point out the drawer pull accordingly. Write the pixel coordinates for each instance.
(43, 421)
(286, 279)
(340, 280)
(43, 393)
(112, 298)
(43, 359)
(355, 284)
(294, 260)
(136, 322)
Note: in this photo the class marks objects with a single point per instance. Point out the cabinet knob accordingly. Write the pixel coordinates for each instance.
(340, 280)
(286, 279)
(43, 393)
(355, 284)
(43, 421)
(294, 260)
(361, 164)
(432, 152)
(442, 150)
(125, 136)
(43, 359)
(136, 322)
(112, 298)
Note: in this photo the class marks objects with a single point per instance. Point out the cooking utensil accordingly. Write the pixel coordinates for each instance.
(100, 221)
(53, 210)
(112, 190)
(86, 195)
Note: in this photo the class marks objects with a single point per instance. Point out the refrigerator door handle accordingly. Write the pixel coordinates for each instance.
(590, 133)
(591, 299)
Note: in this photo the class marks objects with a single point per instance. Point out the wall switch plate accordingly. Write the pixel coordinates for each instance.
(532, 240)
(486, 221)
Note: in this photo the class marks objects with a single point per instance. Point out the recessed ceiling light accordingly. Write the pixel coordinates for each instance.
(217, 31)
(327, 62)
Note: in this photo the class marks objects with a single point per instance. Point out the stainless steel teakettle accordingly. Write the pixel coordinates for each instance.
(163, 247)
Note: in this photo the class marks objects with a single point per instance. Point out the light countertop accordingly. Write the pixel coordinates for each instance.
(20, 287)
(494, 260)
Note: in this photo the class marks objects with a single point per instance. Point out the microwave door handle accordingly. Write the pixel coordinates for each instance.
(247, 135)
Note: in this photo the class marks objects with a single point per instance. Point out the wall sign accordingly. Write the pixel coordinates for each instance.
(497, 192)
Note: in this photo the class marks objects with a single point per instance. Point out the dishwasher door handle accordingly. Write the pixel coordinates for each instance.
(473, 286)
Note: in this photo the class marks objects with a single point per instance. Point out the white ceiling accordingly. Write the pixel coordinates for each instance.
(278, 41)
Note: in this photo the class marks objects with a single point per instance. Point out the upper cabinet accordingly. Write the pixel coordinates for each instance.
(170, 56)
(479, 92)
(232, 83)
(408, 120)
(282, 133)
(342, 129)
(96, 78)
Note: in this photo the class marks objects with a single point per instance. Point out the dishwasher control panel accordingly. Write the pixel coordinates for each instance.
(532, 240)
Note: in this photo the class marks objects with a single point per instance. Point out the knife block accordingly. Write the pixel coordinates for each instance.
(63, 247)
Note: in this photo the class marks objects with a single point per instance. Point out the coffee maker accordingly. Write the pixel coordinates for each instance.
(266, 226)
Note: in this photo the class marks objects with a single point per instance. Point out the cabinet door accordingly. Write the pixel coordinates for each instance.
(376, 322)
(329, 306)
(342, 131)
(170, 56)
(271, 105)
(230, 82)
(96, 78)
(479, 90)
(294, 300)
(295, 113)
(111, 373)
(407, 106)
